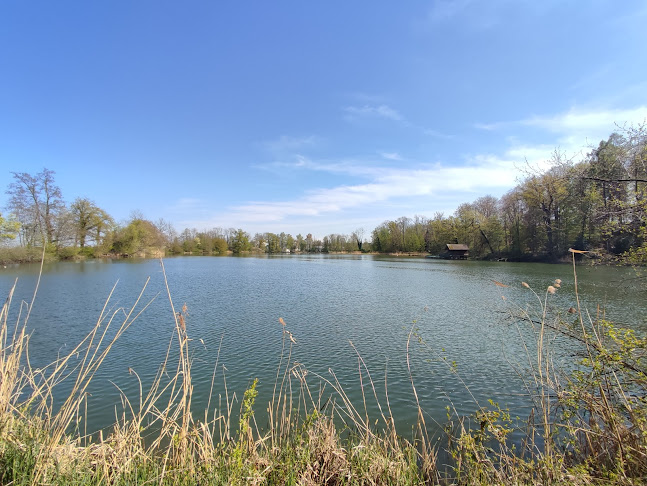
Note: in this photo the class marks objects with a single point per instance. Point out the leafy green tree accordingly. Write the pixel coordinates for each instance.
(273, 243)
(289, 242)
(618, 171)
(259, 241)
(240, 242)
(138, 236)
(547, 193)
(89, 221)
(387, 238)
(301, 243)
(220, 246)
(9, 228)
(513, 210)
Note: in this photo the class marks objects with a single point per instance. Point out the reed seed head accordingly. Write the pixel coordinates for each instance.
(524, 284)
(551, 289)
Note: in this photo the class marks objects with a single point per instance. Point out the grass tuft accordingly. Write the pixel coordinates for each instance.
(588, 424)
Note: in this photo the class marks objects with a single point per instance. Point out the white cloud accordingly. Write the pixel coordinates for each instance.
(533, 154)
(343, 166)
(571, 132)
(287, 143)
(483, 174)
(391, 155)
(592, 122)
(422, 189)
(186, 204)
(373, 111)
(488, 126)
(446, 9)
(435, 133)
(471, 14)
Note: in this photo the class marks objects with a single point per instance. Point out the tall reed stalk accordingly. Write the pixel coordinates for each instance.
(588, 424)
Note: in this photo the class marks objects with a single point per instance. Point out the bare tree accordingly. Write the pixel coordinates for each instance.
(36, 201)
(358, 236)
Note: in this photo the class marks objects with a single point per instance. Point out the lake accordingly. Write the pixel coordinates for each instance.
(466, 348)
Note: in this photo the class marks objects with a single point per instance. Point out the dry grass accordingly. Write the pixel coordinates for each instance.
(588, 424)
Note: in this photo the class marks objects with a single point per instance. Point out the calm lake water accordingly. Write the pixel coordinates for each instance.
(327, 302)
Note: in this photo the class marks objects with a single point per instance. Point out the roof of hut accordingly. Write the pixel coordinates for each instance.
(457, 247)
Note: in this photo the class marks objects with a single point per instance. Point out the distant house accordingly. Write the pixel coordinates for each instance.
(457, 251)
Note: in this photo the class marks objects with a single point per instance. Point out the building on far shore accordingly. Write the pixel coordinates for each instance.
(456, 251)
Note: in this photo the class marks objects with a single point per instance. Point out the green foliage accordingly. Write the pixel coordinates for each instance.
(245, 439)
(8, 228)
(68, 253)
(220, 246)
(89, 221)
(137, 237)
(240, 242)
(606, 396)
(21, 254)
(273, 243)
(598, 203)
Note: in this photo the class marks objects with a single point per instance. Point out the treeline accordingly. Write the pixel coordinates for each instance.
(221, 240)
(38, 214)
(597, 203)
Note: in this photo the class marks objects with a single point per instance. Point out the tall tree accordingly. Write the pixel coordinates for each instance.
(35, 200)
(89, 221)
(240, 241)
(358, 236)
(138, 236)
(548, 193)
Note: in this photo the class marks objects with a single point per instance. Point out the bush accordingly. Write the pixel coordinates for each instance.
(67, 253)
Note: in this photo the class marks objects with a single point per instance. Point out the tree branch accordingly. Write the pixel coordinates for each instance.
(598, 179)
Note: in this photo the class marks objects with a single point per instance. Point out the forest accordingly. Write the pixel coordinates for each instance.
(595, 202)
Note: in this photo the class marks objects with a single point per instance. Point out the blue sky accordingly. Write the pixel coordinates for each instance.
(308, 117)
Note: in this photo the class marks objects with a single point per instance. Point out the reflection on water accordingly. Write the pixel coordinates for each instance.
(328, 302)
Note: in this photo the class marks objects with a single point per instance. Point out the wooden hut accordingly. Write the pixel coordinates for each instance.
(457, 251)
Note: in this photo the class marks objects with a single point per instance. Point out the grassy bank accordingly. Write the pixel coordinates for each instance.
(588, 424)
(21, 254)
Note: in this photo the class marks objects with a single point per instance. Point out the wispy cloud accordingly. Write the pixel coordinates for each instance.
(572, 131)
(488, 126)
(443, 10)
(436, 133)
(587, 121)
(482, 174)
(372, 111)
(580, 120)
(470, 14)
(368, 111)
(386, 182)
(391, 155)
(343, 166)
(286, 143)
(197, 207)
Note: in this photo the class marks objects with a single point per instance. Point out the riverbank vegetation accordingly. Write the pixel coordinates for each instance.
(597, 202)
(587, 425)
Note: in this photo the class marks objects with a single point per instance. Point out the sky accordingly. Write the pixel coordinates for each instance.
(309, 117)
